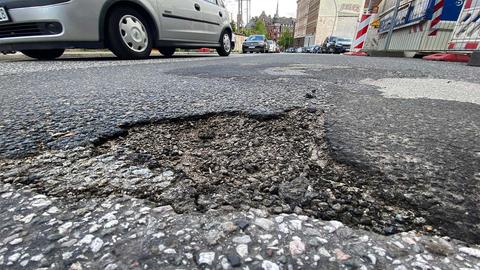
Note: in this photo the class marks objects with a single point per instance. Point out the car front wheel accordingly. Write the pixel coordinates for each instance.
(44, 54)
(225, 45)
(129, 34)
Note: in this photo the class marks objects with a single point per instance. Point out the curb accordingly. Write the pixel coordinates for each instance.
(386, 54)
(475, 59)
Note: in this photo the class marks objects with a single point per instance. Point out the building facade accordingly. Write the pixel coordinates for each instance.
(275, 25)
(318, 19)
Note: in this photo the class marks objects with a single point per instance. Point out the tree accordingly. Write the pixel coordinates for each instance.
(260, 28)
(234, 26)
(286, 39)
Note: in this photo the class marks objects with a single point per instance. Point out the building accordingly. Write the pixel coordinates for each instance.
(275, 25)
(318, 19)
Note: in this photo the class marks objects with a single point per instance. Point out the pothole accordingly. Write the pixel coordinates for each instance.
(234, 161)
(281, 164)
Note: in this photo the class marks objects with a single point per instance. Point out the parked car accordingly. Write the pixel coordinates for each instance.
(301, 50)
(43, 29)
(309, 49)
(334, 44)
(317, 49)
(290, 50)
(255, 43)
(273, 47)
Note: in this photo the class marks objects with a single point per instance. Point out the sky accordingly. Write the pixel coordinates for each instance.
(287, 8)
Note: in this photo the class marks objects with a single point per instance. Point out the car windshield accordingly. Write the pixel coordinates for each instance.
(255, 38)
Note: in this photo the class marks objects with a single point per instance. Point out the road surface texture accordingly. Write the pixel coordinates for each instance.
(247, 162)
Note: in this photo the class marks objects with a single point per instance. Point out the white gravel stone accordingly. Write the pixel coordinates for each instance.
(67, 255)
(14, 257)
(41, 203)
(372, 258)
(242, 250)
(336, 224)
(27, 219)
(96, 245)
(242, 239)
(65, 227)
(53, 210)
(86, 240)
(206, 258)
(470, 251)
(264, 223)
(283, 228)
(94, 228)
(322, 251)
(170, 251)
(16, 241)
(111, 224)
(37, 258)
(296, 224)
(268, 265)
(296, 246)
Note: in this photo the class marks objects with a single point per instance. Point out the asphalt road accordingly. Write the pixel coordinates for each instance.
(416, 123)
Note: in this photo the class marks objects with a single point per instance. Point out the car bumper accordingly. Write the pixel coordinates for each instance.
(75, 26)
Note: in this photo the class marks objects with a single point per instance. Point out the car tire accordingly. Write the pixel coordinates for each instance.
(129, 35)
(44, 54)
(225, 44)
(167, 51)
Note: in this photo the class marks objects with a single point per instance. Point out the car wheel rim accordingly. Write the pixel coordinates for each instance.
(227, 43)
(133, 33)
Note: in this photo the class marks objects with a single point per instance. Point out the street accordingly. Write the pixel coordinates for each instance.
(259, 161)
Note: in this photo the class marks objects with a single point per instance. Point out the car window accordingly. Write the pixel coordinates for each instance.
(212, 1)
(255, 38)
(221, 3)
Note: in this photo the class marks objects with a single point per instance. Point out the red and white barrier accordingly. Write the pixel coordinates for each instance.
(361, 33)
(437, 14)
(466, 36)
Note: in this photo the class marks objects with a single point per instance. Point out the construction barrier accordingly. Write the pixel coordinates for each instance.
(423, 26)
(466, 37)
(361, 32)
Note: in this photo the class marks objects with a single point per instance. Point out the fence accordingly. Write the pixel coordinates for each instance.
(424, 26)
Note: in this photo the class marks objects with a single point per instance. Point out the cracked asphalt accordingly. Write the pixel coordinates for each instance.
(392, 118)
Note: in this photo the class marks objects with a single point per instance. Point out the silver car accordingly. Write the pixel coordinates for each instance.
(43, 29)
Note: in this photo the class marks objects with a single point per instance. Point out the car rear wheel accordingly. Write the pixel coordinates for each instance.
(129, 34)
(225, 45)
(167, 51)
(44, 54)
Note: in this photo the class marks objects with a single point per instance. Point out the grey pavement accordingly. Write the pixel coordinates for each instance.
(392, 119)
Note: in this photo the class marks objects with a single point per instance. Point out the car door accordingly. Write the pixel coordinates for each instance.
(181, 20)
(213, 15)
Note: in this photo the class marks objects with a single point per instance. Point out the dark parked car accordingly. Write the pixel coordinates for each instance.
(255, 43)
(309, 49)
(336, 45)
(317, 49)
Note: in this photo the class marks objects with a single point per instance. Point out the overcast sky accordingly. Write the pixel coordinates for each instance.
(287, 8)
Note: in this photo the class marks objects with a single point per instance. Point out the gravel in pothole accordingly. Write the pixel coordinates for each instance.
(238, 161)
